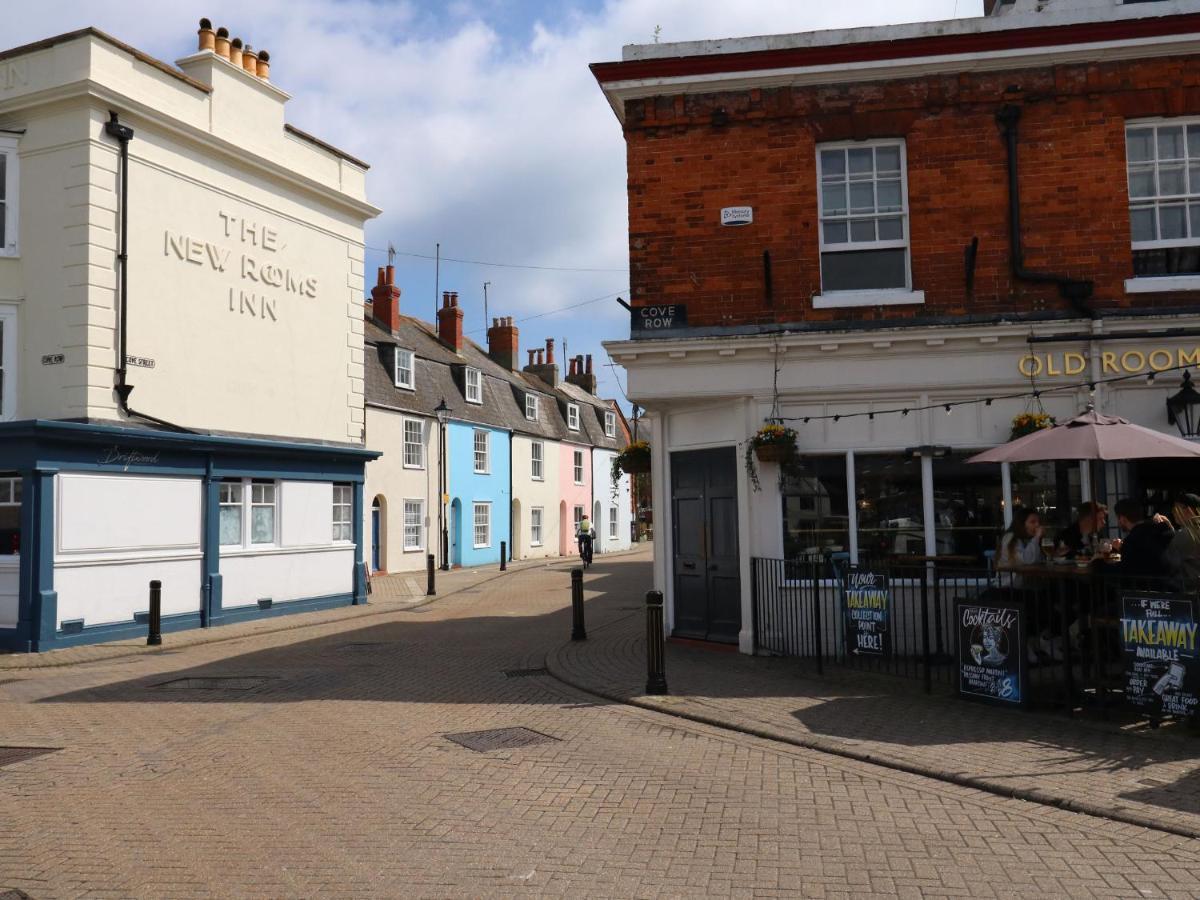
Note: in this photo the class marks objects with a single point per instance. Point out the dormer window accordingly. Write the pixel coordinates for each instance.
(573, 416)
(404, 368)
(531, 407)
(610, 424)
(474, 386)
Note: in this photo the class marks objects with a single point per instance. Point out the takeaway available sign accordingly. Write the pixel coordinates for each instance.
(1158, 636)
(658, 318)
(867, 614)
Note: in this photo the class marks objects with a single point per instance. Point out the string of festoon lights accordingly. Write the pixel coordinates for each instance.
(948, 407)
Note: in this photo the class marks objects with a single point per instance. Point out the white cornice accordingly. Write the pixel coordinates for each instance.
(618, 92)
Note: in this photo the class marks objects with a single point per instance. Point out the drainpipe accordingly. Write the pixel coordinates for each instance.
(1077, 293)
(123, 135)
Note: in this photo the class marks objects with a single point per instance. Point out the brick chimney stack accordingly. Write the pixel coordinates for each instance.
(503, 343)
(385, 300)
(450, 321)
(545, 368)
(581, 373)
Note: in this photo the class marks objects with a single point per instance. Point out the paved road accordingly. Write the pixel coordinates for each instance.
(325, 771)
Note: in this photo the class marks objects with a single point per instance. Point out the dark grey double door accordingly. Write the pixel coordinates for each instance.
(708, 596)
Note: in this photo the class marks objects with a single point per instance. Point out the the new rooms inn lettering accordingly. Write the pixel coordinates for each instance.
(253, 260)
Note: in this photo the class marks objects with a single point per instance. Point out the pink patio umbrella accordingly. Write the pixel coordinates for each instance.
(1091, 435)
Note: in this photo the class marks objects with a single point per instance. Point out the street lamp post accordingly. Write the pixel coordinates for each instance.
(1183, 409)
(443, 413)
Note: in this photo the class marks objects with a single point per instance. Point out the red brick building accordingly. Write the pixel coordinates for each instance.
(833, 227)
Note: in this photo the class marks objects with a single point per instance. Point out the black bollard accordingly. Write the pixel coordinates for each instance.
(656, 645)
(430, 584)
(154, 638)
(503, 556)
(578, 632)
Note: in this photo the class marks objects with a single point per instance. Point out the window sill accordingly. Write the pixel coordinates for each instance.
(405, 387)
(413, 550)
(1160, 284)
(482, 547)
(847, 299)
(414, 468)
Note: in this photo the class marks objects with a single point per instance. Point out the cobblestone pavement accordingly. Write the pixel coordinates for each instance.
(324, 769)
(1131, 773)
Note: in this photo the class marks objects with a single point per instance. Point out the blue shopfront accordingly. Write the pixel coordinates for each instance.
(233, 527)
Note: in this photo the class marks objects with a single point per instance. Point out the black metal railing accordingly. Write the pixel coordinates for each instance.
(904, 616)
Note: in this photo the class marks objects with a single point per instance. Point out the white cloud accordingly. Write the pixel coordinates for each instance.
(489, 136)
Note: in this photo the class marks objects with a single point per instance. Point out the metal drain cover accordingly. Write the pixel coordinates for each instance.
(525, 673)
(10, 755)
(500, 739)
(215, 683)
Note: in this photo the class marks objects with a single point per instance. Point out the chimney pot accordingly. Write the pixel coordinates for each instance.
(221, 43)
(264, 65)
(589, 364)
(445, 299)
(391, 274)
(250, 60)
(541, 361)
(531, 354)
(450, 322)
(382, 277)
(385, 301)
(207, 37)
(549, 351)
(235, 51)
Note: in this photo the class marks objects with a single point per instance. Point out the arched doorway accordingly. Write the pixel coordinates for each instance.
(564, 530)
(379, 534)
(514, 550)
(455, 532)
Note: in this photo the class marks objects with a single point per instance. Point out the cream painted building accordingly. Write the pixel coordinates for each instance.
(536, 493)
(192, 414)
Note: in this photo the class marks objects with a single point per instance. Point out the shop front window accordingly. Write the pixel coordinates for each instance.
(889, 504)
(1052, 488)
(815, 517)
(10, 514)
(968, 502)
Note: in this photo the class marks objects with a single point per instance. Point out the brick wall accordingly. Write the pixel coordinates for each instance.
(685, 164)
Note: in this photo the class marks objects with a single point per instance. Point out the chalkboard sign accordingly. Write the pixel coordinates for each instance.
(991, 652)
(1158, 635)
(658, 318)
(867, 610)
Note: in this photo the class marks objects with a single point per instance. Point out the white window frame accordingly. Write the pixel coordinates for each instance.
(408, 382)
(1149, 284)
(11, 197)
(577, 514)
(531, 407)
(577, 466)
(484, 506)
(411, 546)
(473, 386)
(239, 504)
(343, 513)
(573, 416)
(610, 423)
(248, 504)
(537, 460)
(8, 363)
(484, 468)
(831, 298)
(418, 446)
(613, 513)
(537, 517)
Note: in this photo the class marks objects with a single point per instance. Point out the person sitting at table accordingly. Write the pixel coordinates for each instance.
(1183, 553)
(1020, 545)
(1144, 546)
(1075, 538)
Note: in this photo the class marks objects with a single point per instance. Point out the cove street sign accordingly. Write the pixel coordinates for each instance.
(658, 318)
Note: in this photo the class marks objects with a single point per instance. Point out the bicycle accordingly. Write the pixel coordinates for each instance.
(585, 548)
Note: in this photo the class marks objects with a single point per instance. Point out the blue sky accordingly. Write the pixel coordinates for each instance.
(483, 126)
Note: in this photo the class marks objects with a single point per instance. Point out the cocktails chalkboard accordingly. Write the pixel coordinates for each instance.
(867, 614)
(991, 651)
(1158, 635)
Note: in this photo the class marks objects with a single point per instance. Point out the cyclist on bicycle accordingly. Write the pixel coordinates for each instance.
(584, 536)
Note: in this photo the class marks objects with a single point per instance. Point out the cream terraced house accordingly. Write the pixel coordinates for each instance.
(182, 344)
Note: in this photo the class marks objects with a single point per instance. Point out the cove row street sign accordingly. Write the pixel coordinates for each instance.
(658, 318)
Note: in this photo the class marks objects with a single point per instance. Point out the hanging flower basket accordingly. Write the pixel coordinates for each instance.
(633, 460)
(1029, 422)
(772, 443)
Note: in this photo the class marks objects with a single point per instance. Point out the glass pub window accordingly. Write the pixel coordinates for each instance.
(1163, 162)
(890, 504)
(483, 524)
(474, 382)
(815, 516)
(864, 216)
(404, 368)
(230, 515)
(341, 513)
(535, 526)
(262, 512)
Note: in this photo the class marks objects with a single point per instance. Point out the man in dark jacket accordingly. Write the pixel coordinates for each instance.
(1146, 540)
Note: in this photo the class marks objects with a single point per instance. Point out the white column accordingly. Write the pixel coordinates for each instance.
(660, 493)
(852, 507)
(1006, 492)
(752, 538)
(927, 505)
